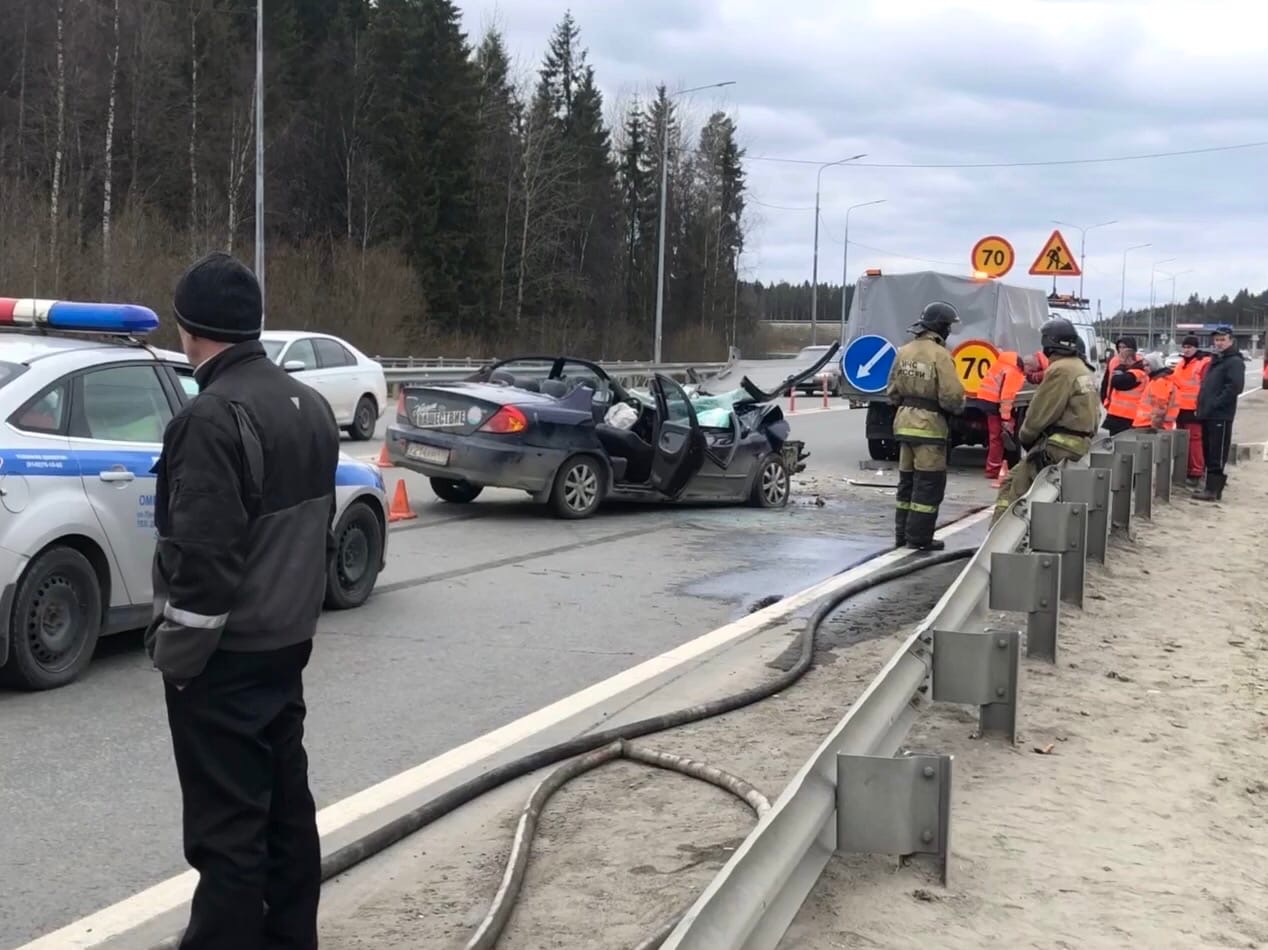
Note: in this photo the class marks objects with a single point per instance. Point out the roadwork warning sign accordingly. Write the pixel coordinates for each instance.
(1056, 259)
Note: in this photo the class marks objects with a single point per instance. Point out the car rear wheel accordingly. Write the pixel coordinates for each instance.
(363, 420)
(358, 556)
(578, 488)
(771, 487)
(455, 491)
(55, 622)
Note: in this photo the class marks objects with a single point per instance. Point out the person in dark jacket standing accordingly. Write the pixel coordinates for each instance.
(245, 497)
(1222, 384)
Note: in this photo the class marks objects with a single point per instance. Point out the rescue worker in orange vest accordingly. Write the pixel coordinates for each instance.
(1124, 344)
(997, 392)
(1188, 379)
(1157, 408)
(1126, 385)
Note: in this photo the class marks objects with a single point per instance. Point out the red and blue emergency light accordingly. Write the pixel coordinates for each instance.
(74, 317)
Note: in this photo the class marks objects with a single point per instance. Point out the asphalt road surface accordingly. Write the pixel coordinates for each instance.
(485, 613)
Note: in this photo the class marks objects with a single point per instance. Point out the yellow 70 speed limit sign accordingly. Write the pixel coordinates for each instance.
(993, 256)
(973, 360)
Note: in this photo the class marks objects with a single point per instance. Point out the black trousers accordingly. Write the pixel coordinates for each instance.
(1217, 444)
(1116, 424)
(250, 825)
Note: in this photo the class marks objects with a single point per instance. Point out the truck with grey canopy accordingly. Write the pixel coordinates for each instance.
(882, 312)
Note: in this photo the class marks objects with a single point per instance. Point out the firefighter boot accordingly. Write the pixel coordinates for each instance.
(902, 507)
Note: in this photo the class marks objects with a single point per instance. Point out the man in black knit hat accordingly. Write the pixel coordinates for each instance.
(245, 497)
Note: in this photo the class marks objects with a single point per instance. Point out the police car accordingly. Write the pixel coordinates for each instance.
(84, 403)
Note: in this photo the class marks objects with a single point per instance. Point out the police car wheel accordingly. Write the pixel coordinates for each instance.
(363, 420)
(358, 555)
(56, 621)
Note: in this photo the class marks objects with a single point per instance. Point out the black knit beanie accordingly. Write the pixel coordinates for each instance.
(1190, 341)
(218, 298)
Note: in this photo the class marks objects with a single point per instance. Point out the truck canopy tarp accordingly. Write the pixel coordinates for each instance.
(1009, 317)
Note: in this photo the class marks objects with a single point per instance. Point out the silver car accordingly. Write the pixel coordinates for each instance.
(83, 424)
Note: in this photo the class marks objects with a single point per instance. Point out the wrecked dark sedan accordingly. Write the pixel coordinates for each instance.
(564, 431)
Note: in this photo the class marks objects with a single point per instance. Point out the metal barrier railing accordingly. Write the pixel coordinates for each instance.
(857, 793)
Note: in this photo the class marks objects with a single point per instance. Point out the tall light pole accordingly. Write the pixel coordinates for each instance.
(664, 191)
(1083, 244)
(259, 151)
(814, 272)
(1153, 271)
(1122, 291)
(845, 261)
(1173, 277)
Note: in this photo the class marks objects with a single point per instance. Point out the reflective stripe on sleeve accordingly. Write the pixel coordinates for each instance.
(187, 618)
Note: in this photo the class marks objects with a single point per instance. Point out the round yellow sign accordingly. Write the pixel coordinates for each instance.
(973, 360)
(992, 256)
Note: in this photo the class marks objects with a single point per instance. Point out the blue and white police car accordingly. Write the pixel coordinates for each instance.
(84, 401)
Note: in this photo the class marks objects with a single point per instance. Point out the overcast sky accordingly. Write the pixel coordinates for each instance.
(936, 81)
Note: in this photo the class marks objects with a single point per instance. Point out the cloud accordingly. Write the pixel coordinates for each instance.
(944, 81)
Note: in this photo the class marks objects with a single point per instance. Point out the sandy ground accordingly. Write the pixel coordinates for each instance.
(1147, 824)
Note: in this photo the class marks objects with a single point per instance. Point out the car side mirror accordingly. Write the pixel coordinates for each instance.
(293, 366)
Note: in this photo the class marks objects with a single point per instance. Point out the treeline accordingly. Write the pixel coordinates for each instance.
(420, 196)
(1240, 310)
(785, 301)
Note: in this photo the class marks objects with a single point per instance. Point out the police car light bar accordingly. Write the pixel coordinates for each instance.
(118, 318)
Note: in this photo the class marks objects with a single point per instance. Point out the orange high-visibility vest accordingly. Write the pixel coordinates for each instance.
(1157, 408)
(1002, 383)
(1124, 402)
(1188, 380)
(1109, 374)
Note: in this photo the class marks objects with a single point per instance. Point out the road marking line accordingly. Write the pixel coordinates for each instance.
(144, 907)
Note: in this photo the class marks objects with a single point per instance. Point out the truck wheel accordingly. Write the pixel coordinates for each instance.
(882, 450)
(55, 622)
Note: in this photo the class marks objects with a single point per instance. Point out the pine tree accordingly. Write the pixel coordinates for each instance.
(497, 169)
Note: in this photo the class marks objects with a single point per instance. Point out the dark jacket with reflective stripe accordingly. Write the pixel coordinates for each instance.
(244, 503)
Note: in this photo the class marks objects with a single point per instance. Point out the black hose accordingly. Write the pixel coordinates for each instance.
(401, 827)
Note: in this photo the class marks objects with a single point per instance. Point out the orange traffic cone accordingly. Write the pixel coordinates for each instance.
(400, 509)
(383, 460)
(998, 480)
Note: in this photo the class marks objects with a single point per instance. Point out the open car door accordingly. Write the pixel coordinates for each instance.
(679, 441)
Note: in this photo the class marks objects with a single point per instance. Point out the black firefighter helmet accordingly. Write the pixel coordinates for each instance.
(937, 317)
(1058, 336)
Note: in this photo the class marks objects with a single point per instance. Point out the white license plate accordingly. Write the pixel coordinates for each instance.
(427, 453)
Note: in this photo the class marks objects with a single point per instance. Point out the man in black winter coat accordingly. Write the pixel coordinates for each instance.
(245, 496)
(1222, 384)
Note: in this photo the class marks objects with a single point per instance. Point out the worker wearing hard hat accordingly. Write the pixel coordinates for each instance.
(924, 386)
(1060, 419)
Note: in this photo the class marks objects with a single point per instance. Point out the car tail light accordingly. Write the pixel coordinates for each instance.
(506, 420)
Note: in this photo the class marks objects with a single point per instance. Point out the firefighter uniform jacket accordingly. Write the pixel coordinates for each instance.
(924, 386)
(1063, 412)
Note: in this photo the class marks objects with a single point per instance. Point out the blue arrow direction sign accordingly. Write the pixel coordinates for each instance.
(866, 362)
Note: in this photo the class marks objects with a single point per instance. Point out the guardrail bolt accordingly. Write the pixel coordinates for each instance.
(1001, 692)
(926, 836)
(1043, 601)
(928, 773)
(1002, 643)
(1045, 562)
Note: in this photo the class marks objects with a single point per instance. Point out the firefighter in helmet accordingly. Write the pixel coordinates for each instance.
(924, 386)
(1062, 416)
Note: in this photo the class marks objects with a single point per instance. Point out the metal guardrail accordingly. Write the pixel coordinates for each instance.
(410, 370)
(857, 793)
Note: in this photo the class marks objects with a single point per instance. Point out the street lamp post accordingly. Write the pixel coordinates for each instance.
(1122, 292)
(814, 272)
(1083, 244)
(1152, 272)
(259, 152)
(664, 190)
(845, 261)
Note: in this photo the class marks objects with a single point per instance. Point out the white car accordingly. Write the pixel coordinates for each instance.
(83, 405)
(352, 383)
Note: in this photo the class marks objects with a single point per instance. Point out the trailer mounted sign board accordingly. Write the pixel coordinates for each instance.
(866, 363)
(1055, 259)
(993, 256)
(973, 360)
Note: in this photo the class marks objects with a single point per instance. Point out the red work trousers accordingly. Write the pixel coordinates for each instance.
(994, 444)
(1197, 462)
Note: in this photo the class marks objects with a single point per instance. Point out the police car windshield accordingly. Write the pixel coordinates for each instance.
(273, 349)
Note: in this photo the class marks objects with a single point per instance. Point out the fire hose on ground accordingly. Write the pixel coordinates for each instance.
(596, 749)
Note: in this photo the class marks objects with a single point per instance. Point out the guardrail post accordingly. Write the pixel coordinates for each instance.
(1091, 487)
(983, 670)
(899, 805)
(1030, 584)
(1121, 465)
(1061, 528)
(1142, 445)
(1163, 462)
(1180, 456)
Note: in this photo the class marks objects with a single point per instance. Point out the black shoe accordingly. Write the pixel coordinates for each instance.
(934, 545)
(900, 542)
